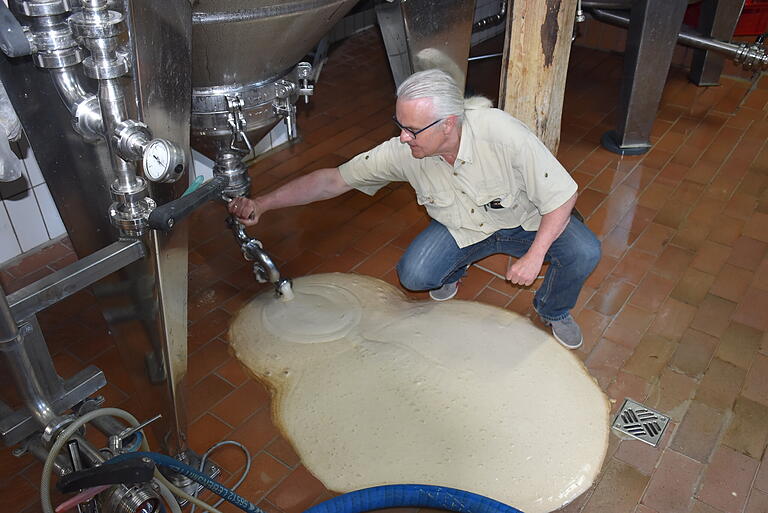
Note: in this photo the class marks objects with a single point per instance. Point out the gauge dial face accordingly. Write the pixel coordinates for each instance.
(157, 159)
(163, 161)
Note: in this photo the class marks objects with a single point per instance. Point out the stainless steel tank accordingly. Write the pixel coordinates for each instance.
(244, 65)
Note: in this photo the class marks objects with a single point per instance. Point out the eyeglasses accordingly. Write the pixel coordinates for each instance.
(411, 131)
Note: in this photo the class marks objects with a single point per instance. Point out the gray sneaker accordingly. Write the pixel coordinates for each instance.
(567, 332)
(445, 292)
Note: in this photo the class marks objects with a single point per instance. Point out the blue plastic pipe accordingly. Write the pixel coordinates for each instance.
(411, 496)
(360, 501)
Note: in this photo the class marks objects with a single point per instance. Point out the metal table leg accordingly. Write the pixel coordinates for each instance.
(651, 39)
(718, 19)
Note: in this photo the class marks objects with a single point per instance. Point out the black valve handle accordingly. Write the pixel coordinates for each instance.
(165, 216)
(137, 470)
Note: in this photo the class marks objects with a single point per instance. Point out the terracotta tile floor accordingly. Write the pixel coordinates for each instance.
(675, 315)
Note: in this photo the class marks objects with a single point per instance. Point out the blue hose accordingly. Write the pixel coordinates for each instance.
(411, 496)
(222, 491)
(379, 497)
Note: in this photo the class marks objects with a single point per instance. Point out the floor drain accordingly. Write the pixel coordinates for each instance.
(640, 422)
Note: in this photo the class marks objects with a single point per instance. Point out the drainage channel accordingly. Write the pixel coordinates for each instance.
(640, 422)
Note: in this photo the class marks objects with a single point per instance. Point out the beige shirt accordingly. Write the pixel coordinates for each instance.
(498, 159)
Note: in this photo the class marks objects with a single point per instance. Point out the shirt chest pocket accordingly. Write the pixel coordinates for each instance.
(441, 206)
(504, 209)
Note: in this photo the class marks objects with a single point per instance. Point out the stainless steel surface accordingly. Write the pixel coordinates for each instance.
(640, 422)
(82, 104)
(163, 89)
(50, 36)
(130, 499)
(19, 424)
(93, 455)
(145, 304)
(229, 164)
(8, 329)
(651, 39)
(61, 465)
(256, 79)
(99, 30)
(717, 19)
(35, 387)
(221, 29)
(73, 278)
(425, 34)
(44, 393)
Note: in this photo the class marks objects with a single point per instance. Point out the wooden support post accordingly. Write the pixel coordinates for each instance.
(536, 52)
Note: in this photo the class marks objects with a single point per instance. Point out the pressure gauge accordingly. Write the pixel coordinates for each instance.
(163, 161)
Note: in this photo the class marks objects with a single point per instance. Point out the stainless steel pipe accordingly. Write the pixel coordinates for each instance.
(8, 329)
(25, 375)
(70, 87)
(685, 37)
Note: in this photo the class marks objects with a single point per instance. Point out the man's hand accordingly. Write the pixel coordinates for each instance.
(246, 210)
(525, 270)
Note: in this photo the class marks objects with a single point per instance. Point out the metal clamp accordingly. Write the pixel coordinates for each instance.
(284, 107)
(304, 73)
(130, 211)
(237, 124)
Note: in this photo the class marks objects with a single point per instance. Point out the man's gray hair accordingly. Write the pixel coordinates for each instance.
(441, 88)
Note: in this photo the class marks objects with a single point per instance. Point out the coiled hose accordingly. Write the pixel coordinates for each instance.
(182, 468)
(379, 497)
(66, 434)
(389, 496)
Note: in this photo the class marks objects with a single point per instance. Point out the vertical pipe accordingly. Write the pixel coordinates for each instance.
(111, 96)
(20, 365)
(27, 381)
(113, 111)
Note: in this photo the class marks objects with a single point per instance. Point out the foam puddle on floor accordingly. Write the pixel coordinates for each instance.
(372, 388)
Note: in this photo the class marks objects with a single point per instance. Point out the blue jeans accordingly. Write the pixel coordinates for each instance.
(434, 259)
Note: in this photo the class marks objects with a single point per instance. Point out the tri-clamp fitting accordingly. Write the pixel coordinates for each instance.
(49, 33)
(98, 29)
(131, 208)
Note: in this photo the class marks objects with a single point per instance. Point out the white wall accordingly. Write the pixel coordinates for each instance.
(28, 216)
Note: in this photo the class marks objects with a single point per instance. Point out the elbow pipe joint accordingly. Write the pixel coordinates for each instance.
(83, 105)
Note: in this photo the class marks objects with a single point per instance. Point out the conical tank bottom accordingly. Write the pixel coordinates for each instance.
(211, 145)
(239, 42)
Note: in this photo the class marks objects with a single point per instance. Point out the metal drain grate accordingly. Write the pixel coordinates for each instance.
(640, 422)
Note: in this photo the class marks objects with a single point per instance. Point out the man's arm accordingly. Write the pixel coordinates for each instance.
(525, 269)
(318, 185)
